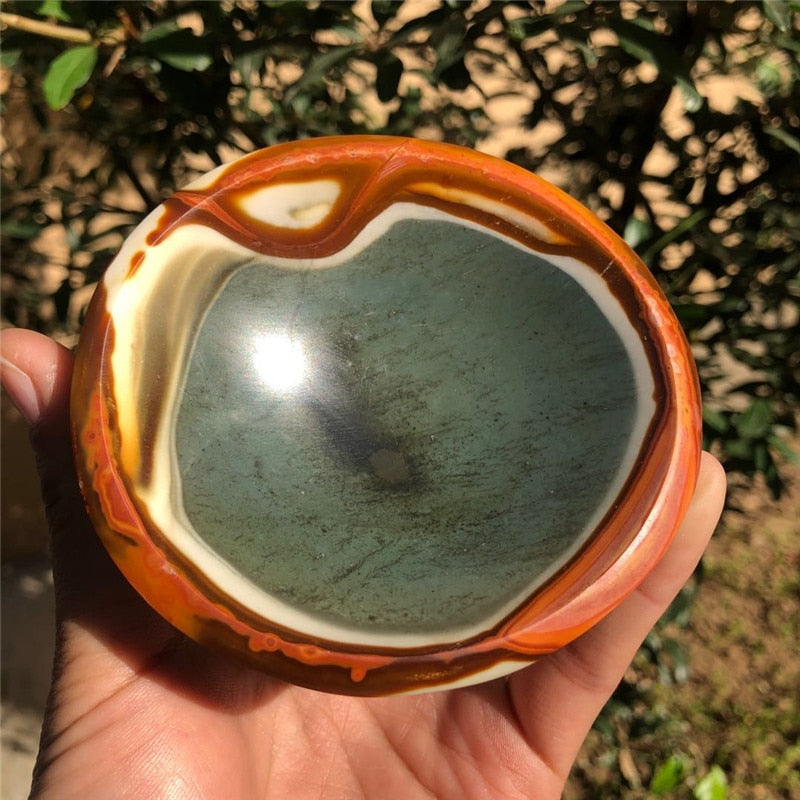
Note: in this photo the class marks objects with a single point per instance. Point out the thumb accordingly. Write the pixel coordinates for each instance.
(36, 373)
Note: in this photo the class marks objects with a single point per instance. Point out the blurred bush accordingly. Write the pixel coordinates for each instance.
(676, 122)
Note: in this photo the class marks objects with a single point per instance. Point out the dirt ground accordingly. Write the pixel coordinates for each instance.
(739, 705)
(745, 654)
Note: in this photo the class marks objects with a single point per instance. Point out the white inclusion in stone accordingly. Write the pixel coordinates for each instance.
(292, 205)
(280, 362)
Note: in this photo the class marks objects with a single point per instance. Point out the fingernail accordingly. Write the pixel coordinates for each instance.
(20, 391)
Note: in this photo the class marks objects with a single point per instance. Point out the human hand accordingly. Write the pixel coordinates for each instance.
(137, 710)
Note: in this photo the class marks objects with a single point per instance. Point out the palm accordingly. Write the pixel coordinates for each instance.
(218, 731)
(142, 710)
(138, 710)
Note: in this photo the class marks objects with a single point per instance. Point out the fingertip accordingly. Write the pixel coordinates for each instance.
(691, 538)
(712, 482)
(36, 372)
(19, 389)
(707, 502)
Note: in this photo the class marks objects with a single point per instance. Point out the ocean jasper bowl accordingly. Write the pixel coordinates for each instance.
(381, 415)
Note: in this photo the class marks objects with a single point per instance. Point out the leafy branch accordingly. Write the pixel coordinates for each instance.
(164, 90)
(45, 28)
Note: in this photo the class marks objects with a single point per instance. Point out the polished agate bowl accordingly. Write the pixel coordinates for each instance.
(381, 415)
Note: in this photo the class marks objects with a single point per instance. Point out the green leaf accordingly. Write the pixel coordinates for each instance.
(159, 31)
(8, 58)
(679, 611)
(779, 13)
(19, 230)
(578, 36)
(636, 231)
(739, 448)
(525, 27)
(430, 20)
(786, 452)
(693, 315)
(448, 42)
(178, 47)
(654, 49)
(761, 457)
(569, 7)
(668, 776)
(250, 62)
(53, 9)
(316, 71)
(768, 77)
(713, 786)
(774, 481)
(349, 34)
(673, 234)
(786, 42)
(715, 420)
(754, 421)
(732, 305)
(300, 104)
(680, 664)
(792, 142)
(67, 73)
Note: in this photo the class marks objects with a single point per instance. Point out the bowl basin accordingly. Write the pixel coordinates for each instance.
(381, 415)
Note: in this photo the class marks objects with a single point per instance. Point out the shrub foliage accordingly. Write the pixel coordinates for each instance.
(676, 122)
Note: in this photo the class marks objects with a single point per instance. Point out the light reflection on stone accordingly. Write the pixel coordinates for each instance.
(280, 362)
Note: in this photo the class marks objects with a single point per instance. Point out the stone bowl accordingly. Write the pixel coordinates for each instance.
(380, 415)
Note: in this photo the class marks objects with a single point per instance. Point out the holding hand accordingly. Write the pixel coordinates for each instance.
(137, 710)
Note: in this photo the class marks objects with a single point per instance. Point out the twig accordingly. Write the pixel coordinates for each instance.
(43, 28)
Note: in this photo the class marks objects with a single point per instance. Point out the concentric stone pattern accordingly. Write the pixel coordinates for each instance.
(382, 415)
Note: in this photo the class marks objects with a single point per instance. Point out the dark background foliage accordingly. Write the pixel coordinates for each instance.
(144, 95)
